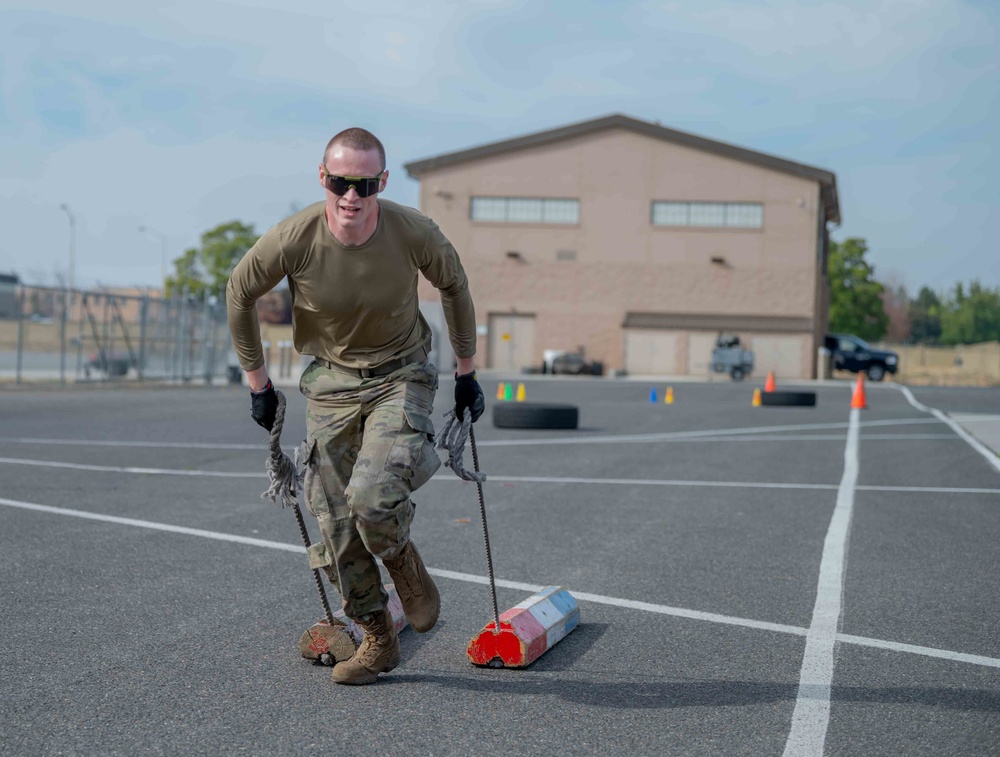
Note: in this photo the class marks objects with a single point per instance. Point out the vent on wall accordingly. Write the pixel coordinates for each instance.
(566, 255)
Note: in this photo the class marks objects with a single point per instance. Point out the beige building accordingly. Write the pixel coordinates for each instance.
(638, 243)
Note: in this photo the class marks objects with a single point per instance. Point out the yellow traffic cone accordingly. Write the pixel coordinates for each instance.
(520, 392)
(756, 398)
(500, 388)
(668, 398)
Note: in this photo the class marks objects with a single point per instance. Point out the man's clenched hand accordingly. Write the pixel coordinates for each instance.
(468, 396)
(264, 406)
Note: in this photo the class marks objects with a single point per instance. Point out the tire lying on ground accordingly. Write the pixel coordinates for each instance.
(535, 415)
(789, 399)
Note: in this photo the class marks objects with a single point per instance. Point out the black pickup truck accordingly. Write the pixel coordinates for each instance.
(852, 353)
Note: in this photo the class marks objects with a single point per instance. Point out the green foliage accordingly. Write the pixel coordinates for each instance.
(205, 270)
(925, 318)
(971, 317)
(855, 297)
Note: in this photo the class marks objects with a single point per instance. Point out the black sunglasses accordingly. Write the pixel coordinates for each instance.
(363, 185)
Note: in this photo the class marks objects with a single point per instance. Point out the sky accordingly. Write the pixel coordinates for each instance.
(179, 116)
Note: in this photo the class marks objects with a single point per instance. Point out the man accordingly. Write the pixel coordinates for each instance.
(352, 264)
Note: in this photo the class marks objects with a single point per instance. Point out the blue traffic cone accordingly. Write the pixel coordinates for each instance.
(652, 396)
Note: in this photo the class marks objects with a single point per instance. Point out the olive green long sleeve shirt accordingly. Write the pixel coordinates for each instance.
(354, 306)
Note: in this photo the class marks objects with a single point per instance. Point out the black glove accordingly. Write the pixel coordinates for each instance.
(468, 396)
(264, 406)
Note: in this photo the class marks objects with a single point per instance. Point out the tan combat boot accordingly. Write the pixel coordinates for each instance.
(378, 652)
(420, 597)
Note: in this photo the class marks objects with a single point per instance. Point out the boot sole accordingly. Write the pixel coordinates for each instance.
(371, 678)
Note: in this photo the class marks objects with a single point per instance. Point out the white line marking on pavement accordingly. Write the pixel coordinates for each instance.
(114, 443)
(630, 438)
(448, 477)
(483, 580)
(943, 654)
(117, 469)
(991, 457)
(811, 716)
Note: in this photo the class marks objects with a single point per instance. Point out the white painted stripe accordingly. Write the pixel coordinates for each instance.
(450, 478)
(991, 457)
(942, 654)
(652, 438)
(912, 400)
(117, 469)
(626, 438)
(627, 604)
(112, 443)
(154, 526)
(811, 716)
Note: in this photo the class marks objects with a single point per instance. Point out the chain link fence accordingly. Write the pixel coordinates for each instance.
(51, 334)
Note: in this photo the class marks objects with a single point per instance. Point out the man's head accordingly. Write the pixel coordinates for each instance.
(353, 173)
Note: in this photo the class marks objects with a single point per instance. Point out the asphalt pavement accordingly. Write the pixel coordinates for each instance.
(152, 601)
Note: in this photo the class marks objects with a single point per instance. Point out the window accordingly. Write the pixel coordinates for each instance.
(525, 210)
(733, 215)
(565, 254)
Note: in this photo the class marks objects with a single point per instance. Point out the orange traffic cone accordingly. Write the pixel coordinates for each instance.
(756, 398)
(858, 401)
(500, 390)
(769, 384)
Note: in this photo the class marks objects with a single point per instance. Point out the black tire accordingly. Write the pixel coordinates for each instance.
(535, 415)
(789, 399)
(737, 374)
(876, 372)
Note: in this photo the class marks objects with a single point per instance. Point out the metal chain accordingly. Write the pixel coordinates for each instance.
(486, 533)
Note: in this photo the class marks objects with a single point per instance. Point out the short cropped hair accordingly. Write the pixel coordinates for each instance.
(357, 139)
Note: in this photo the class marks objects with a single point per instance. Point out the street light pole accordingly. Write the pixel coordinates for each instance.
(163, 253)
(72, 246)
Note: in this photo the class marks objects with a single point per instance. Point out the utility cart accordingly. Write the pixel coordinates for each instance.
(729, 357)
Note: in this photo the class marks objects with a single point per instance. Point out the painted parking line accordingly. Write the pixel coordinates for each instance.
(629, 604)
(811, 716)
(604, 439)
(447, 477)
(991, 457)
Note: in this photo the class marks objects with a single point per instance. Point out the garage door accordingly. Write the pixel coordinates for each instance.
(512, 342)
(700, 346)
(651, 352)
(781, 354)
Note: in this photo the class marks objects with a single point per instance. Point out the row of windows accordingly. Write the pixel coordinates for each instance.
(732, 215)
(525, 210)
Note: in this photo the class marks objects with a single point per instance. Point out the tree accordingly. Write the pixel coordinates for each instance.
(973, 317)
(896, 303)
(855, 297)
(925, 318)
(205, 270)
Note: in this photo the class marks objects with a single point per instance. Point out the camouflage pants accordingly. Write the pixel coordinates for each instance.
(369, 445)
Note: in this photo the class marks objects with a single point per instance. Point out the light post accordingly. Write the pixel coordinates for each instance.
(72, 246)
(163, 254)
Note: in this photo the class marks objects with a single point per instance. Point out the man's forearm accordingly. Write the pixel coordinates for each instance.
(465, 365)
(257, 378)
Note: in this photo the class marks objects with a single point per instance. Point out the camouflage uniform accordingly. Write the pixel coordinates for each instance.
(369, 445)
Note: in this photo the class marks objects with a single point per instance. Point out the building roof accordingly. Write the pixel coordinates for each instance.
(768, 324)
(826, 179)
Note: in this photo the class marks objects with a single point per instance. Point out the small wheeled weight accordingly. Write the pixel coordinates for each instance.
(535, 415)
(789, 399)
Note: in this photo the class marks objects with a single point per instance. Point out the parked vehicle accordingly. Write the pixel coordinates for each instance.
(854, 354)
(570, 363)
(116, 364)
(729, 357)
